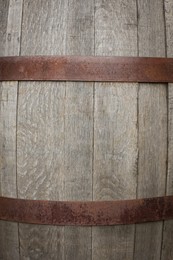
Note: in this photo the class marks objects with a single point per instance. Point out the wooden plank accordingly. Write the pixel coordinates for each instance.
(10, 45)
(152, 124)
(79, 127)
(4, 7)
(40, 148)
(115, 132)
(167, 249)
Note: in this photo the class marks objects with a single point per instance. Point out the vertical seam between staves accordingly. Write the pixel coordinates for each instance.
(137, 126)
(17, 104)
(167, 155)
(94, 9)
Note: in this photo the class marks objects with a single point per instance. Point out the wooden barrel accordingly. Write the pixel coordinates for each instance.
(86, 141)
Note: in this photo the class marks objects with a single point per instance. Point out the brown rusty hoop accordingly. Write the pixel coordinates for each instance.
(86, 213)
(87, 68)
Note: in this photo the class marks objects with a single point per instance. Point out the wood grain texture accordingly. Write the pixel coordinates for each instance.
(152, 123)
(10, 45)
(40, 136)
(59, 124)
(78, 127)
(4, 7)
(167, 249)
(115, 132)
(55, 127)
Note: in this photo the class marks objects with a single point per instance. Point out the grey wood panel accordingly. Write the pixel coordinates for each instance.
(115, 131)
(40, 148)
(167, 249)
(55, 127)
(152, 123)
(79, 127)
(4, 7)
(9, 45)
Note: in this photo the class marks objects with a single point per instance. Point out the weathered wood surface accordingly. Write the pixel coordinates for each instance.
(167, 248)
(10, 26)
(40, 136)
(4, 8)
(85, 141)
(115, 131)
(152, 127)
(40, 147)
(55, 125)
(78, 130)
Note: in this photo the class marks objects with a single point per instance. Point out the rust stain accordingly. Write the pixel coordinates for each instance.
(87, 68)
(86, 213)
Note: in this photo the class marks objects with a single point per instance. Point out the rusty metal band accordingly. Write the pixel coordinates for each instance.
(86, 213)
(86, 68)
